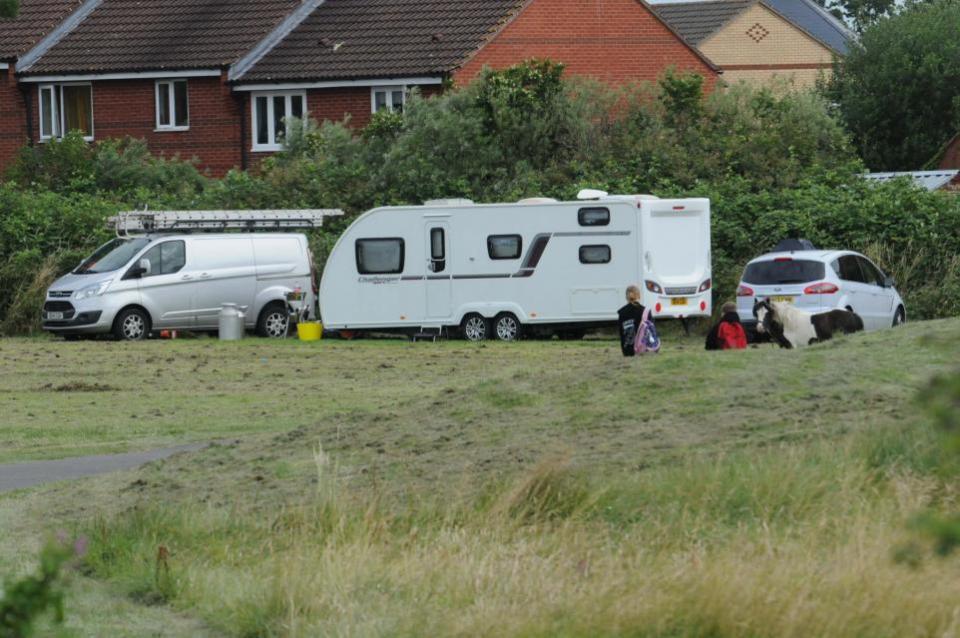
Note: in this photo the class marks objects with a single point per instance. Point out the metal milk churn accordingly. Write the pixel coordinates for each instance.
(231, 322)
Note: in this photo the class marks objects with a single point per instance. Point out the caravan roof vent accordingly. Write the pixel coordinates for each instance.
(591, 193)
(793, 245)
(451, 201)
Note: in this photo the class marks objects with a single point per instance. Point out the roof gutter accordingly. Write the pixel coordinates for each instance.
(275, 37)
(338, 84)
(63, 29)
(132, 75)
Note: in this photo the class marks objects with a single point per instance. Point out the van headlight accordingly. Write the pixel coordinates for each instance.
(93, 291)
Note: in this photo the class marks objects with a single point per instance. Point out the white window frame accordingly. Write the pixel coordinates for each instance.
(272, 143)
(171, 105)
(389, 90)
(57, 118)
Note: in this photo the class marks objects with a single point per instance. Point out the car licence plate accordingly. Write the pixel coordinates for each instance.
(678, 301)
(782, 299)
(54, 315)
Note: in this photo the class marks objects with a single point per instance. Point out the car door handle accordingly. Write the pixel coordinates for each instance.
(187, 277)
(205, 275)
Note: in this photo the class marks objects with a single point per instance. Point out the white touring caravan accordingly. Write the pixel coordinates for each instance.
(535, 267)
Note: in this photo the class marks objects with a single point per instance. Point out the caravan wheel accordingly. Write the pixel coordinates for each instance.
(507, 327)
(474, 327)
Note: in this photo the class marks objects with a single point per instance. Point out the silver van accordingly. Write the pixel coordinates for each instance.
(134, 286)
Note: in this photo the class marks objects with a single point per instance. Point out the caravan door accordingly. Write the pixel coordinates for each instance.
(439, 283)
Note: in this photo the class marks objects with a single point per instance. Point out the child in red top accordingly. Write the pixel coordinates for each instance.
(728, 334)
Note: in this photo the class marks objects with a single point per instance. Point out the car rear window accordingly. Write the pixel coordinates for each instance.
(788, 271)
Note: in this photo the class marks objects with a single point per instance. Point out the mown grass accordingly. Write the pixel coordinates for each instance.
(548, 489)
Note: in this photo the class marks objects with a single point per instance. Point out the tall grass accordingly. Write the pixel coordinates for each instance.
(790, 541)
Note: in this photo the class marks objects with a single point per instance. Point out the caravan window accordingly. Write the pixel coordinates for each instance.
(599, 254)
(504, 246)
(380, 256)
(594, 216)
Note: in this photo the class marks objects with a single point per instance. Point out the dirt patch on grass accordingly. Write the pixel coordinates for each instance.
(78, 386)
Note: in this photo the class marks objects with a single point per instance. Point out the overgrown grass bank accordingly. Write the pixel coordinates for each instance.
(761, 493)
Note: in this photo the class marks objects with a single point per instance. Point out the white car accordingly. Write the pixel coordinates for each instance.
(818, 281)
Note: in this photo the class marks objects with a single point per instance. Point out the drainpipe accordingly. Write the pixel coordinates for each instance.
(28, 109)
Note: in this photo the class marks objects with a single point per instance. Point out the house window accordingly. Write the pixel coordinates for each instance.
(64, 108)
(380, 256)
(593, 216)
(504, 246)
(272, 117)
(598, 254)
(173, 111)
(388, 97)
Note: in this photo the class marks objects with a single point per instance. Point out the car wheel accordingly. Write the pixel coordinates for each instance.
(900, 317)
(507, 327)
(273, 321)
(474, 327)
(132, 324)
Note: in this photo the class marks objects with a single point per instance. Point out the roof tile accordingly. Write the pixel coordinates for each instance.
(36, 19)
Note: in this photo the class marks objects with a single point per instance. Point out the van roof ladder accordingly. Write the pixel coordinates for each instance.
(141, 222)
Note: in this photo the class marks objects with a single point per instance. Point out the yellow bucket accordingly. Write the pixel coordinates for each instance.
(310, 330)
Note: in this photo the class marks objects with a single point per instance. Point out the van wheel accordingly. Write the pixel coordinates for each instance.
(507, 327)
(273, 320)
(900, 318)
(474, 327)
(132, 324)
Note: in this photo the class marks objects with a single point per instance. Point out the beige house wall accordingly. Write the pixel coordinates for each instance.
(759, 45)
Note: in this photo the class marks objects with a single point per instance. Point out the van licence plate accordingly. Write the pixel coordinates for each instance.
(782, 299)
(54, 315)
(678, 301)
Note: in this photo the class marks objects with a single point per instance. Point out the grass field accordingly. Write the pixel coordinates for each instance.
(389, 488)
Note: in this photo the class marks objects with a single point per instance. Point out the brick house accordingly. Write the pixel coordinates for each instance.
(757, 41)
(215, 80)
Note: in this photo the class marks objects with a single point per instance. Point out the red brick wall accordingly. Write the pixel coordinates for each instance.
(616, 41)
(951, 158)
(13, 128)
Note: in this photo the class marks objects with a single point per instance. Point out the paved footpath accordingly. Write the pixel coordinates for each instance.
(14, 476)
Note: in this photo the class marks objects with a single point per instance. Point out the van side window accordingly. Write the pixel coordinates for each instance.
(166, 258)
(380, 256)
(504, 246)
(598, 254)
(594, 216)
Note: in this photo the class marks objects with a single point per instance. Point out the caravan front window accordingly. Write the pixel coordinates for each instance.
(380, 256)
(504, 246)
(594, 216)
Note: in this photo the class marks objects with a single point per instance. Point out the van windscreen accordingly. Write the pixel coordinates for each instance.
(111, 256)
(787, 271)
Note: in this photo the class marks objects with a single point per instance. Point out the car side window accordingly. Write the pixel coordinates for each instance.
(850, 269)
(871, 273)
(166, 258)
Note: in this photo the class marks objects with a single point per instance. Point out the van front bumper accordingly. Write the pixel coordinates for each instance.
(83, 322)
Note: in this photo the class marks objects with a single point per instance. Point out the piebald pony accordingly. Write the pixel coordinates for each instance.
(793, 328)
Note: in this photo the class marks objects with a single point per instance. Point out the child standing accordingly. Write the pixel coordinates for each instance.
(728, 333)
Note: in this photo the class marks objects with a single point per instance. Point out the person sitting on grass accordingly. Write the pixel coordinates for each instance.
(728, 333)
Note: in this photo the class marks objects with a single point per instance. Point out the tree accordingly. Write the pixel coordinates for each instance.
(859, 13)
(898, 90)
(9, 8)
